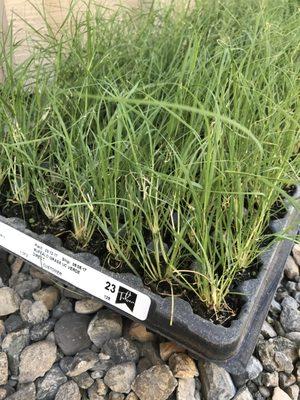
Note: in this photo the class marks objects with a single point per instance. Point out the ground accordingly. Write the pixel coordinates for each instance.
(55, 344)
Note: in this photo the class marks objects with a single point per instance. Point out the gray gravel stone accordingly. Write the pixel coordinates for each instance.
(41, 330)
(120, 377)
(279, 394)
(51, 337)
(258, 396)
(16, 266)
(72, 340)
(131, 396)
(183, 366)
(27, 288)
(243, 394)
(48, 386)
(13, 323)
(68, 391)
(143, 364)
(36, 360)
(286, 380)
(289, 302)
(17, 279)
(277, 354)
(84, 380)
(291, 269)
(121, 350)
(269, 379)
(65, 364)
(284, 362)
(26, 392)
(33, 312)
(151, 352)
(155, 383)
(254, 368)
(275, 307)
(3, 368)
(268, 331)
(105, 325)
(88, 306)
(293, 392)
(296, 296)
(116, 396)
(290, 315)
(63, 307)
(9, 301)
(198, 389)
(186, 389)
(281, 294)
(296, 253)
(291, 286)
(97, 374)
(279, 329)
(101, 368)
(294, 337)
(83, 361)
(5, 392)
(13, 344)
(265, 391)
(2, 330)
(252, 387)
(298, 372)
(97, 390)
(216, 382)
(49, 296)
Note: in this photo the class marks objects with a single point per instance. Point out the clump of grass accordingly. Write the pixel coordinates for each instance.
(171, 134)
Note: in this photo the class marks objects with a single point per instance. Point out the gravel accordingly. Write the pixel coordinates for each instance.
(27, 392)
(48, 386)
(217, 383)
(121, 350)
(55, 347)
(87, 306)
(120, 377)
(104, 326)
(33, 312)
(49, 296)
(183, 366)
(36, 360)
(186, 389)
(3, 368)
(68, 391)
(155, 383)
(9, 301)
(82, 362)
(13, 344)
(72, 340)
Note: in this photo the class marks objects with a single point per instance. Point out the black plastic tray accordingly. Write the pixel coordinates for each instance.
(229, 347)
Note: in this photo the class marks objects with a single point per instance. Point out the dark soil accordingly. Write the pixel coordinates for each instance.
(39, 223)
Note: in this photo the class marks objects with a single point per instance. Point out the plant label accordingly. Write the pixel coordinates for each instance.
(98, 284)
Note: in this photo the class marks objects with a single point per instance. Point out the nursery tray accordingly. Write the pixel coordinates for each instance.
(229, 347)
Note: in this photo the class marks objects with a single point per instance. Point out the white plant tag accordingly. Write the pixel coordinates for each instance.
(75, 272)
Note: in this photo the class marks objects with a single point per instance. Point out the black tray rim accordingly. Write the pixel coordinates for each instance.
(229, 347)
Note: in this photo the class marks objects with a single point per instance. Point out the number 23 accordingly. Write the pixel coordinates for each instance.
(110, 286)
